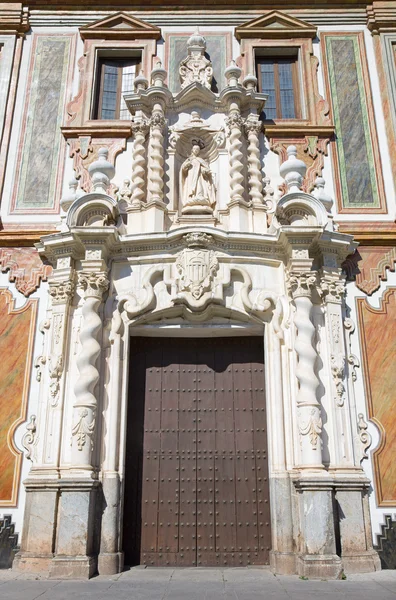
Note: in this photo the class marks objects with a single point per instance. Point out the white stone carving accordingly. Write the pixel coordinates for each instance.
(234, 124)
(93, 285)
(101, 172)
(293, 170)
(55, 370)
(196, 183)
(156, 158)
(253, 128)
(61, 292)
(338, 372)
(352, 358)
(139, 160)
(83, 428)
(196, 270)
(38, 365)
(124, 193)
(196, 67)
(29, 439)
(364, 436)
(310, 422)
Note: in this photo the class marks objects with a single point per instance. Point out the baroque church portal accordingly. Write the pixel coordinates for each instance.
(196, 386)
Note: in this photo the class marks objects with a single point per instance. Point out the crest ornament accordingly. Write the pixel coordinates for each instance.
(196, 269)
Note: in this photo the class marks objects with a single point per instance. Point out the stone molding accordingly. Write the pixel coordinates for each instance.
(26, 268)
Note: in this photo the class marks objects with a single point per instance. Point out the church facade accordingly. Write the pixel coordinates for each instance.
(197, 287)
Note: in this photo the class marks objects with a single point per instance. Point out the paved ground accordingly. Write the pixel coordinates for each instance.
(198, 584)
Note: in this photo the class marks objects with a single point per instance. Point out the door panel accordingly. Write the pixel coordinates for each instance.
(197, 441)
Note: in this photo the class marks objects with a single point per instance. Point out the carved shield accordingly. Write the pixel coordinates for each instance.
(196, 269)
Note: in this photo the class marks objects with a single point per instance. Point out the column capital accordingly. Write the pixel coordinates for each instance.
(301, 284)
(332, 289)
(62, 292)
(94, 285)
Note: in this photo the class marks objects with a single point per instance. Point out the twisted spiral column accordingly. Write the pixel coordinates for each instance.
(156, 158)
(234, 124)
(85, 406)
(252, 129)
(138, 163)
(308, 411)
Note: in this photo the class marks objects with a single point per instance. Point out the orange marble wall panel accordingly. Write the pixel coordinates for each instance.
(373, 266)
(17, 327)
(378, 340)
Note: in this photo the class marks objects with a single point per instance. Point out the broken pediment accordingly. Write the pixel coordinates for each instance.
(275, 25)
(120, 26)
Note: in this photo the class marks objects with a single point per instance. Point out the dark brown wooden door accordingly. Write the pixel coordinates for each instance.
(196, 476)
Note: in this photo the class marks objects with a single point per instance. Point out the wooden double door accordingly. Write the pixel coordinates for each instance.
(196, 474)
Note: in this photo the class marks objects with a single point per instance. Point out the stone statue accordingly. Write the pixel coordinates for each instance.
(197, 187)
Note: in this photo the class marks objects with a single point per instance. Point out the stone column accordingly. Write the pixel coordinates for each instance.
(317, 535)
(79, 507)
(351, 483)
(239, 217)
(282, 554)
(139, 162)
(93, 285)
(41, 485)
(253, 128)
(111, 558)
(308, 407)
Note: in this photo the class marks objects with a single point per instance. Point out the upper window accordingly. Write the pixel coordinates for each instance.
(278, 77)
(115, 78)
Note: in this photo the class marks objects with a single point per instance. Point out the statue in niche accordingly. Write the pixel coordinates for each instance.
(197, 187)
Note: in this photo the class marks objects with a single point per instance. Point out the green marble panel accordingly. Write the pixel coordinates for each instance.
(42, 137)
(353, 137)
(216, 51)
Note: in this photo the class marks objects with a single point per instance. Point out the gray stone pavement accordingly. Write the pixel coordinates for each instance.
(198, 584)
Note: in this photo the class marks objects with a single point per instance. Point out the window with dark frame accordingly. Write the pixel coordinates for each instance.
(278, 77)
(115, 78)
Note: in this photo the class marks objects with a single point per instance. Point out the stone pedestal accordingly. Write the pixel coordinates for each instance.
(317, 554)
(282, 555)
(76, 543)
(358, 555)
(39, 523)
(154, 216)
(110, 560)
(240, 215)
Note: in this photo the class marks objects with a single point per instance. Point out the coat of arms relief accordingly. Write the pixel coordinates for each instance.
(196, 267)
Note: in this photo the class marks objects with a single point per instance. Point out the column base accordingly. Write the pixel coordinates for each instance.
(27, 562)
(319, 566)
(283, 563)
(364, 562)
(73, 567)
(110, 563)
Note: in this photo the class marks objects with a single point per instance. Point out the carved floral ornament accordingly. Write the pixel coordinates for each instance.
(93, 284)
(62, 292)
(196, 279)
(301, 284)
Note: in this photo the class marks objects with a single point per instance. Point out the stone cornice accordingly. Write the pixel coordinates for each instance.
(381, 17)
(14, 18)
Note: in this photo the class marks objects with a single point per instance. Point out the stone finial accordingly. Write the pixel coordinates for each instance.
(67, 201)
(293, 170)
(140, 82)
(196, 43)
(232, 74)
(101, 172)
(250, 82)
(321, 195)
(196, 67)
(158, 75)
